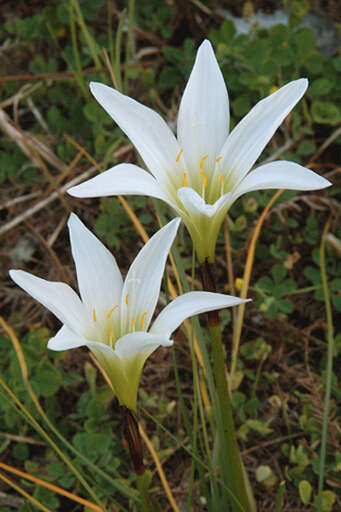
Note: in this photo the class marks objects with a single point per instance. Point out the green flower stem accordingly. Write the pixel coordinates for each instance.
(142, 484)
(329, 370)
(241, 496)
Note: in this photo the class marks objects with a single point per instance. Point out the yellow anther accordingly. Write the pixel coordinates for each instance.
(94, 315)
(202, 161)
(142, 319)
(238, 283)
(133, 322)
(111, 333)
(185, 179)
(127, 298)
(179, 155)
(111, 311)
(203, 175)
(219, 158)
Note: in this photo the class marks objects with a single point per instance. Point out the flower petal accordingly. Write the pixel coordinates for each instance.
(66, 339)
(99, 278)
(196, 205)
(281, 174)
(59, 298)
(142, 284)
(140, 344)
(121, 179)
(203, 121)
(248, 139)
(145, 128)
(189, 304)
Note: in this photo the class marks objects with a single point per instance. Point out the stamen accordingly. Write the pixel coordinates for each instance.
(94, 315)
(142, 319)
(133, 323)
(202, 161)
(111, 311)
(222, 181)
(203, 175)
(219, 158)
(179, 155)
(127, 298)
(111, 333)
(185, 179)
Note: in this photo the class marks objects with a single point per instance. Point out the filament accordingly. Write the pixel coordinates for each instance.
(179, 155)
(202, 161)
(111, 311)
(142, 319)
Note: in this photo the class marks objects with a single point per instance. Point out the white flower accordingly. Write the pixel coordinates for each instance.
(202, 172)
(113, 316)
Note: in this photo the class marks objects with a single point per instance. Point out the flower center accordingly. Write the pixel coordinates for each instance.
(211, 186)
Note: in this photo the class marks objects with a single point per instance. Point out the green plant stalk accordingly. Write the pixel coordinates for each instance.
(79, 77)
(329, 366)
(146, 502)
(131, 9)
(240, 491)
(118, 39)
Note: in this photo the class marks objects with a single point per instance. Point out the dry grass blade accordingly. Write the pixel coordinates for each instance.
(26, 141)
(148, 443)
(52, 487)
(159, 469)
(246, 282)
(19, 489)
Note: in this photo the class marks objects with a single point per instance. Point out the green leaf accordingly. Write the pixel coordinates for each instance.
(306, 147)
(325, 112)
(227, 31)
(265, 283)
(320, 87)
(305, 490)
(278, 272)
(286, 306)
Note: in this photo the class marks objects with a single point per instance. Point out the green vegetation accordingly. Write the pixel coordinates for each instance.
(51, 132)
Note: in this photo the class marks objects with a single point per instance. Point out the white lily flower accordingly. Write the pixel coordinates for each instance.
(113, 316)
(202, 172)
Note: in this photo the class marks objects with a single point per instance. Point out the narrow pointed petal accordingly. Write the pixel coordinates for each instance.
(189, 304)
(281, 174)
(66, 339)
(59, 298)
(121, 179)
(248, 139)
(99, 278)
(140, 343)
(196, 205)
(147, 130)
(203, 121)
(142, 284)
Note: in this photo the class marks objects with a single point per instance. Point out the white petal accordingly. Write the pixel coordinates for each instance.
(248, 139)
(99, 278)
(66, 339)
(203, 121)
(121, 179)
(196, 205)
(59, 298)
(142, 284)
(140, 343)
(189, 304)
(281, 174)
(145, 128)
